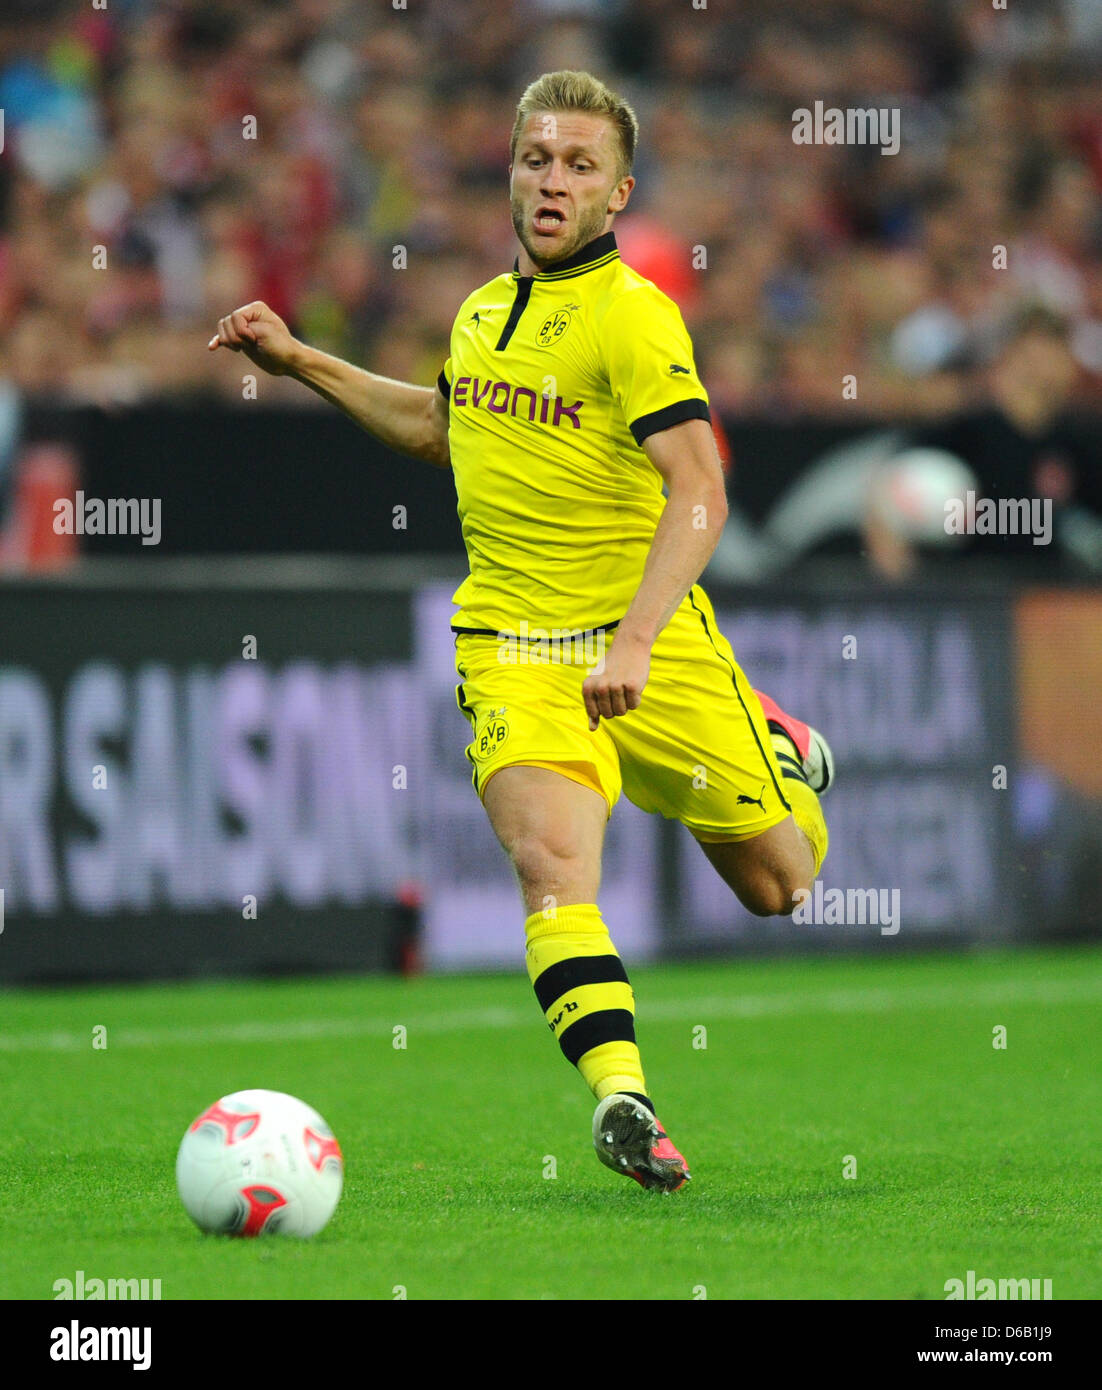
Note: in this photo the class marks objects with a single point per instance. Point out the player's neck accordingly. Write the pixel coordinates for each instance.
(526, 266)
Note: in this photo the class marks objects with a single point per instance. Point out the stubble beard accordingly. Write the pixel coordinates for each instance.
(591, 224)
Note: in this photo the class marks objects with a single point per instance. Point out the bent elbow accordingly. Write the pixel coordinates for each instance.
(718, 509)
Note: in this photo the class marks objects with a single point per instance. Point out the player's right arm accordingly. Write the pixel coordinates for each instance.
(409, 419)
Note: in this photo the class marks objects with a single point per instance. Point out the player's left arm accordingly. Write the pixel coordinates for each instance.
(688, 532)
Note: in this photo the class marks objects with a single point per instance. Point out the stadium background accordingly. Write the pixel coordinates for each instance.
(325, 777)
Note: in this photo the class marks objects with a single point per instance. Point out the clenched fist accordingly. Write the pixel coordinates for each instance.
(261, 335)
(616, 686)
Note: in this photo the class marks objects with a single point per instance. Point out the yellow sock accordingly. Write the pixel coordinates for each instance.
(585, 996)
(808, 815)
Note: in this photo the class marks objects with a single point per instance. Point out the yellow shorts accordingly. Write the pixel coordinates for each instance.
(696, 750)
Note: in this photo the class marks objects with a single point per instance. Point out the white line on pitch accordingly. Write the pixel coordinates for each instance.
(703, 1010)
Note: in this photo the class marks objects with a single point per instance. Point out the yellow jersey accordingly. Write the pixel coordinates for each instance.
(553, 382)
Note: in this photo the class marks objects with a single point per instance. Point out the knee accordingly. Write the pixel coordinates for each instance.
(541, 865)
(771, 892)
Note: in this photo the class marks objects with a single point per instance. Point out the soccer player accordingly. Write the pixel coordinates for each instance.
(589, 658)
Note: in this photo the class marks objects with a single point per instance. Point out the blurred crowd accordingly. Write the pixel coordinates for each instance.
(136, 208)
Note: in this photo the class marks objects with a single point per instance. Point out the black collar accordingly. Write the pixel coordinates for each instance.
(594, 250)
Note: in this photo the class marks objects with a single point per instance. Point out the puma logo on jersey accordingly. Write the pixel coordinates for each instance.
(758, 800)
(676, 367)
(476, 317)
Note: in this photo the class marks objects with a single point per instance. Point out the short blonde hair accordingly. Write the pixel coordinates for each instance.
(579, 91)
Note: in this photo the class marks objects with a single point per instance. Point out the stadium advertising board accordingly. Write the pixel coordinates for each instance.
(240, 778)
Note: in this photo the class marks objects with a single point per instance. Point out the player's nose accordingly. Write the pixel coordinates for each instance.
(554, 179)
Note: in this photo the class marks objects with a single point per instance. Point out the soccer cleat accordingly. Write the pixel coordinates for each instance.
(816, 765)
(629, 1140)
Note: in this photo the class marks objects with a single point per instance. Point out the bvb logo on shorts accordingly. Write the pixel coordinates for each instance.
(553, 328)
(492, 735)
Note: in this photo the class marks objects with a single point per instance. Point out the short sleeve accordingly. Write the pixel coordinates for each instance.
(649, 359)
(444, 380)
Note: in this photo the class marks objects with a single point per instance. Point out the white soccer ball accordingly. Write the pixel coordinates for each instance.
(258, 1162)
(910, 492)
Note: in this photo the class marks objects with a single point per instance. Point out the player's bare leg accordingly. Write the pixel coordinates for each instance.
(553, 829)
(767, 871)
(764, 873)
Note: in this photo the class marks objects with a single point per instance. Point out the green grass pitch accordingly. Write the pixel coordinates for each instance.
(967, 1156)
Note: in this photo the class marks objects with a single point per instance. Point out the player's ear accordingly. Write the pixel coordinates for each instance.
(618, 199)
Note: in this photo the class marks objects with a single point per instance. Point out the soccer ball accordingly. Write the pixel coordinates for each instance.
(258, 1162)
(911, 491)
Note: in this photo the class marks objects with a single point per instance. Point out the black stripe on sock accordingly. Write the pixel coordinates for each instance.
(568, 974)
(785, 761)
(603, 1026)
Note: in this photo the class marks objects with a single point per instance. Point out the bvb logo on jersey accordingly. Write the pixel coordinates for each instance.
(491, 736)
(553, 328)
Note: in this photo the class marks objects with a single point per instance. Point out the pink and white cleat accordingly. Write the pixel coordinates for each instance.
(816, 761)
(629, 1140)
